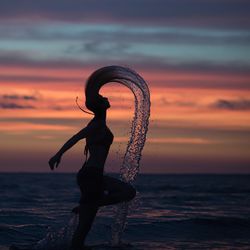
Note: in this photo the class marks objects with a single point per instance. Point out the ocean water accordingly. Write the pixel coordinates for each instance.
(170, 212)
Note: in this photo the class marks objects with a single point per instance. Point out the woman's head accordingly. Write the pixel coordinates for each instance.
(97, 104)
(94, 101)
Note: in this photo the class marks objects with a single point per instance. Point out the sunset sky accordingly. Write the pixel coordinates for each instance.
(194, 55)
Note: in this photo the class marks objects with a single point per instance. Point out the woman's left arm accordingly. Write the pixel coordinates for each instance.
(55, 160)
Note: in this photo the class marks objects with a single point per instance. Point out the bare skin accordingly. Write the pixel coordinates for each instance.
(116, 191)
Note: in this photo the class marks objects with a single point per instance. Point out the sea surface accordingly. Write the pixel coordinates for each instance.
(170, 211)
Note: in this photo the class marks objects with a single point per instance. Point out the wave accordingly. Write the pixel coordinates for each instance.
(221, 221)
(228, 190)
(196, 228)
(224, 221)
(196, 189)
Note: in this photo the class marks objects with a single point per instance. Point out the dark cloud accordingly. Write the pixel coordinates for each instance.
(15, 106)
(29, 97)
(140, 61)
(19, 97)
(11, 101)
(163, 101)
(223, 13)
(38, 79)
(240, 104)
(100, 48)
(11, 97)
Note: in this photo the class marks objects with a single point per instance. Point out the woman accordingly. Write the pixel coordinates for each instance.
(96, 190)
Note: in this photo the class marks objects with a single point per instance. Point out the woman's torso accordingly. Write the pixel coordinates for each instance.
(98, 144)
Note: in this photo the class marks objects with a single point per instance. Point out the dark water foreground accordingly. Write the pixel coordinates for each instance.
(172, 212)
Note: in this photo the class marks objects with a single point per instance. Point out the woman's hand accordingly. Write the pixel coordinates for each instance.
(54, 161)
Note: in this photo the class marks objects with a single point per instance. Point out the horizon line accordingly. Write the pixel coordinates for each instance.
(148, 173)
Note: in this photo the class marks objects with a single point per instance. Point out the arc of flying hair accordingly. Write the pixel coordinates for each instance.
(82, 108)
(107, 74)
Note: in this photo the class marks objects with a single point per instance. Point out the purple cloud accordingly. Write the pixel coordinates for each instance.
(139, 61)
(15, 106)
(18, 97)
(240, 104)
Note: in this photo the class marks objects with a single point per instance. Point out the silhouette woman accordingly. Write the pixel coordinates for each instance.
(96, 189)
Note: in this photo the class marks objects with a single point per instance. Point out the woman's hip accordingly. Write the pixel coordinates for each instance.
(90, 178)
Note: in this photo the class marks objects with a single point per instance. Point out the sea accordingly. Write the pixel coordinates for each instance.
(171, 211)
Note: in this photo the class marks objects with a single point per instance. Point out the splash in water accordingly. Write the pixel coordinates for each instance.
(130, 166)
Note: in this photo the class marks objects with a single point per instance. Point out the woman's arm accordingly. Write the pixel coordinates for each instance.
(55, 160)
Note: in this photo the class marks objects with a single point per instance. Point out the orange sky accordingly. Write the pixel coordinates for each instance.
(185, 122)
(197, 66)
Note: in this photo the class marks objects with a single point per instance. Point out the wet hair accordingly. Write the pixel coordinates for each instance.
(93, 99)
(99, 78)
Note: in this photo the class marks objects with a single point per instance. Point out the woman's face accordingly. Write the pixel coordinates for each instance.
(105, 102)
(99, 104)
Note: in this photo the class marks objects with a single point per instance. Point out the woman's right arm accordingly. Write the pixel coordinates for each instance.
(55, 160)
